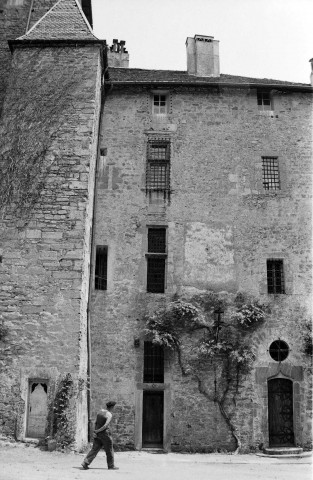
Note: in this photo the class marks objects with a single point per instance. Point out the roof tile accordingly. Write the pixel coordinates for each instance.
(136, 75)
(64, 21)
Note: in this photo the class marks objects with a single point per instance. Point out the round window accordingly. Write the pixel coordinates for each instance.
(279, 350)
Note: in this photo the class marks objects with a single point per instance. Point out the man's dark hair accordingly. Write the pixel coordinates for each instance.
(111, 404)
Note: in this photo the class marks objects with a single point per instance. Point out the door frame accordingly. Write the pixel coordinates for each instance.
(282, 377)
(30, 382)
(141, 387)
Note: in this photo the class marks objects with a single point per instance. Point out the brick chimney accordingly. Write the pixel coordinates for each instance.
(118, 55)
(311, 77)
(203, 56)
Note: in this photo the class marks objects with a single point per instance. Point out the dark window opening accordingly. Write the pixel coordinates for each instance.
(264, 100)
(275, 276)
(270, 169)
(157, 240)
(279, 350)
(155, 275)
(158, 166)
(101, 268)
(153, 370)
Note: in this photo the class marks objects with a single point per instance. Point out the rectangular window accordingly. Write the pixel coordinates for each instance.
(101, 274)
(156, 260)
(153, 363)
(159, 104)
(271, 180)
(264, 100)
(275, 276)
(158, 165)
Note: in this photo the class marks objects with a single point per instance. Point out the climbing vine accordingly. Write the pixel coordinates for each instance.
(62, 415)
(211, 332)
(36, 114)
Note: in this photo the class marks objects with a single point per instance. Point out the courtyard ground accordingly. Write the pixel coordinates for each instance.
(23, 462)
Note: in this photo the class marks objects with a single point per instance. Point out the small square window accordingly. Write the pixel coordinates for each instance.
(270, 168)
(264, 100)
(275, 276)
(160, 104)
(101, 274)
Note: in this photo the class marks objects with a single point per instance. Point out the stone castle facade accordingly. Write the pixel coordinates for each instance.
(153, 185)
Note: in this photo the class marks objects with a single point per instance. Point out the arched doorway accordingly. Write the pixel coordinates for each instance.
(280, 412)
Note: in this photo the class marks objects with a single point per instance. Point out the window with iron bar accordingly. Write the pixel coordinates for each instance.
(270, 168)
(153, 363)
(101, 268)
(158, 166)
(264, 100)
(275, 276)
(156, 260)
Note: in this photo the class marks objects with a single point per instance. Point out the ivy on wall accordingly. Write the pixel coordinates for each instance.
(36, 115)
(212, 332)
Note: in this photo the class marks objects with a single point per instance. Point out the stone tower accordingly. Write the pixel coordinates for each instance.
(16, 18)
(49, 134)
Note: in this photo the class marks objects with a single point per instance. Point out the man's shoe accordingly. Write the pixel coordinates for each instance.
(85, 466)
(113, 468)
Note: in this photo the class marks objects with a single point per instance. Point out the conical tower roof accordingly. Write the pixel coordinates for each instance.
(64, 21)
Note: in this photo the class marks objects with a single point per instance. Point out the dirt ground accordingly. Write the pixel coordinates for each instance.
(24, 462)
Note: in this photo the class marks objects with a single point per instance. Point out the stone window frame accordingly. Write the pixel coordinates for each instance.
(278, 273)
(163, 255)
(263, 95)
(168, 103)
(271, 173)
(281, 160)
(271, 254)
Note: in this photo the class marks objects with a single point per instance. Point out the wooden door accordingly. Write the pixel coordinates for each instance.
(152, 419)
(280, 412)
(37, 409)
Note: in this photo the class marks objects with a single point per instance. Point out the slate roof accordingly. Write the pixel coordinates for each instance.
(64, 21)
(137, 75)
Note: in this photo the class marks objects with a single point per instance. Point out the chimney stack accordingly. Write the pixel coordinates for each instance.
(311, 77)
(118, 55)
(203, 56)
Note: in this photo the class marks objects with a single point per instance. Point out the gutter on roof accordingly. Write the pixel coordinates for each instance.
(269, 86)
(53, 43)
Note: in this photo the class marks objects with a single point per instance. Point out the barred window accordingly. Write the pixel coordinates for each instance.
(160, 104)
(264, 100)
(275, 276)
(158, 166)
(271, 180)
(153, 363)
(101, 267)
(156, 260)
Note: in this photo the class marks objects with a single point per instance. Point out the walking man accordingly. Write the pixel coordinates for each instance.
(102, 438)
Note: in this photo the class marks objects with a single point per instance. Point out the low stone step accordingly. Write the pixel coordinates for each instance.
(283, 451)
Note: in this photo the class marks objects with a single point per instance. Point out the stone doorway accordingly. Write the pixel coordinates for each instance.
(280, 412)
(37, 409)
(152, 419)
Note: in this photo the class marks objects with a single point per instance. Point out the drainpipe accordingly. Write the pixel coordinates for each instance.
(102, 100)
(29, 15)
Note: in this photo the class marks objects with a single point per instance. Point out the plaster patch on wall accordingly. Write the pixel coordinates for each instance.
(209, 255)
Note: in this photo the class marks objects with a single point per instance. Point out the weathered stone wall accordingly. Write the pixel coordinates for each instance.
(222, 226)
(15, 15)
(45, 262)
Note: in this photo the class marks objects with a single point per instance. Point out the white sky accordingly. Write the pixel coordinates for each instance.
(258, 38)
